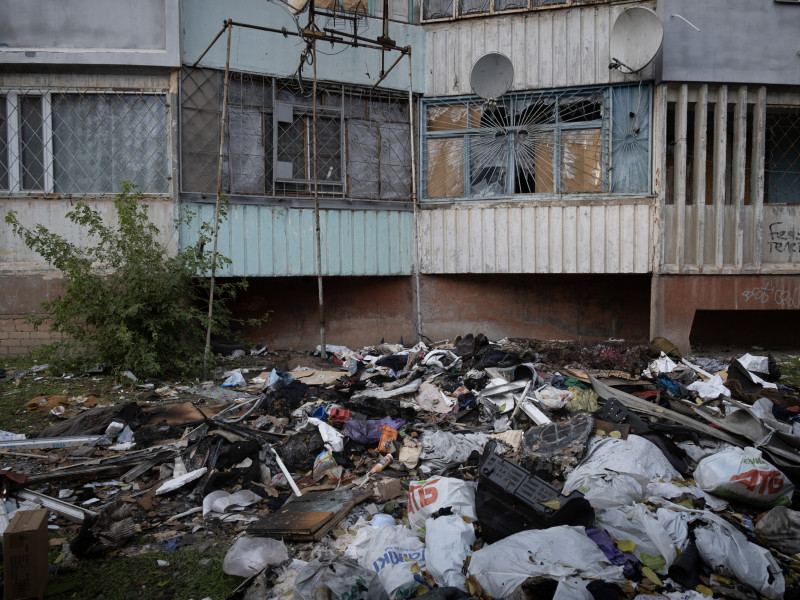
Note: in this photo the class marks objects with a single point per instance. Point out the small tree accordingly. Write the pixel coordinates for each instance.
(129, 303)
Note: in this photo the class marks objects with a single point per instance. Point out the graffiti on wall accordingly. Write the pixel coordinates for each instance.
(769, 294)
(783, 239)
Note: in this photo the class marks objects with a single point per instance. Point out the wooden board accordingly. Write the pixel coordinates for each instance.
(309, 517)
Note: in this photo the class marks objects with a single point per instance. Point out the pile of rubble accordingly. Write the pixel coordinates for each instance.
(516, 469)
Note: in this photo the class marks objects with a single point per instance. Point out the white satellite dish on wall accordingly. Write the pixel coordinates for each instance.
(635, 39)
(492, 75)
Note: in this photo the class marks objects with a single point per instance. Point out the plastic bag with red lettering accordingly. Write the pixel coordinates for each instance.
(427, 496)
(742, 475)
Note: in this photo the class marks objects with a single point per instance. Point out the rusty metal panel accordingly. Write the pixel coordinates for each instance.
(549, 48)
(560, 237)
(272, 241)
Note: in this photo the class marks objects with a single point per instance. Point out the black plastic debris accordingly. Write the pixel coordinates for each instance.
(509, 500)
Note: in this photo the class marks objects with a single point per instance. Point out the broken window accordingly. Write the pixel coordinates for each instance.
(536, 143)
(363, 141)
(83, 143)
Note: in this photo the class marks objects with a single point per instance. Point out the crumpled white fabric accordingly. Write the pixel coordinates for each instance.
(638, 524)
(441, 449)
(663, 364)
(559, 553)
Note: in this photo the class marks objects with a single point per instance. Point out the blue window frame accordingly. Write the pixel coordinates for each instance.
(556, 142)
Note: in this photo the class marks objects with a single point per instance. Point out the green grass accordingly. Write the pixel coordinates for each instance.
(16, 393)
(790, 371)
(120, 577)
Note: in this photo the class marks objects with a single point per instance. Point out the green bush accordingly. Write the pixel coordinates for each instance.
(129, 303)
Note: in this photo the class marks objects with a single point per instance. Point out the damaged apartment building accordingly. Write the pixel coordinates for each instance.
(591, 198)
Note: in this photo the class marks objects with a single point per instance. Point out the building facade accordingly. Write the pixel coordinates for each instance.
(584, 202)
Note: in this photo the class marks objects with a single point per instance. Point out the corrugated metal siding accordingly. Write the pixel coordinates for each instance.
(549, 49)
(271, 241)
(576, 237)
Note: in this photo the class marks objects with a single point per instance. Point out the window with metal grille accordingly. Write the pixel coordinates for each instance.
(782, 155)
(558, 142)
(447, 9)
(82, 143)
(363, 139)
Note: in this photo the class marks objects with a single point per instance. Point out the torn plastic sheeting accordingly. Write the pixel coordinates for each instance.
(635, 456)
(178, 482)
(668, 490)
(277, 379)
(396, 554)
(778, 528)
(752, 366)
(219, 504)
(663, 364)
(432, 399)
(447, 547)
(381, 394)
(441, 449)
(248, 555)
(331, 576)
(556, 553)
(604, 488)
(742, 475)
(654, 547)
(551, 398)
(430, 495)
(368, 431)
(713, 388)
(333, 439)
(234, 379)
(727, 550)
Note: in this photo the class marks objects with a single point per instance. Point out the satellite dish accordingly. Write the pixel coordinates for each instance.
(492, 75)
(635, 39)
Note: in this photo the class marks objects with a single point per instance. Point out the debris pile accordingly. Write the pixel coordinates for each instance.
(474, 469)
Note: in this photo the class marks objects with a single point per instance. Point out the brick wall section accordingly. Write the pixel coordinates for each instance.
(18, 337)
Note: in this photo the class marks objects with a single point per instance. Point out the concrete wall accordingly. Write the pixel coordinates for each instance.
(90, 32)
(272, 54)
(740, 41)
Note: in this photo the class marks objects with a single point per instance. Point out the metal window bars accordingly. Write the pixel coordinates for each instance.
(82, 142)
(363, 138)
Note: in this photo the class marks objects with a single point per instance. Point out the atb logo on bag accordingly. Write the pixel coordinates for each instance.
(422, 495)
(760, 482)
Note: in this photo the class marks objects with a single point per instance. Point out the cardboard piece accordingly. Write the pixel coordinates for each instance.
(25, 549)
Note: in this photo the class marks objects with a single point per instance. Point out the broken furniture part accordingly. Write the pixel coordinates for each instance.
(76, 514)
(310, 517)
(146, 465)
(50, 443)
(509, 500)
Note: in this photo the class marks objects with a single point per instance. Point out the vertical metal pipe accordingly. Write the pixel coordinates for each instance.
(318, 239)
(417, 301)
(219, 192)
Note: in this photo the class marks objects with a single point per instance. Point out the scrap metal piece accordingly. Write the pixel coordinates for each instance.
(76, 514)
(50, 443)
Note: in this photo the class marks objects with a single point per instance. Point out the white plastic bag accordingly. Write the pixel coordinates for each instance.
(249, 555)
(653, 545)
(392, 552)
(557, 553)
(742, 475)
(447, 547)
(427, 496)
(333, 576)
(235, 379)
(552, 398)
(604, 488)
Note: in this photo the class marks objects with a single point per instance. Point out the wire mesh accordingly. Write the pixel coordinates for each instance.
(525, 143)
(782, 155)
(362, 138)
(81, 142)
